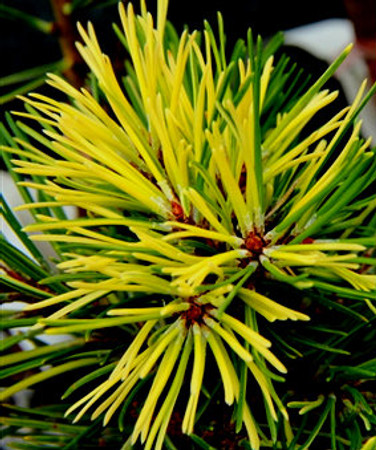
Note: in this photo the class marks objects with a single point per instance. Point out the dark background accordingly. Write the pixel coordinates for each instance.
(22, 47)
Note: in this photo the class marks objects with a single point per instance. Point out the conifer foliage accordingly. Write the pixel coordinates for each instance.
(220, 274)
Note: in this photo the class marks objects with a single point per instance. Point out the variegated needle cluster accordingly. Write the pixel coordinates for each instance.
(195, 181)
